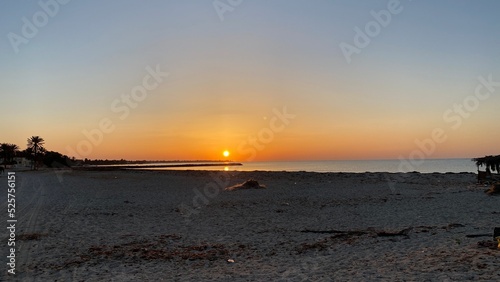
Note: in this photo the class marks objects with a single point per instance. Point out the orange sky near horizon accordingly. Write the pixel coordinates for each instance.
(208, 139)
(172, 81)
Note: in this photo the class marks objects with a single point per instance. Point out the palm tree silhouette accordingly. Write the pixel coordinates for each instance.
(4, 152)
(36, 143)
(8, 152)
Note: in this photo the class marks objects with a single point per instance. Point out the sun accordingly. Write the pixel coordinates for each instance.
(226, 153)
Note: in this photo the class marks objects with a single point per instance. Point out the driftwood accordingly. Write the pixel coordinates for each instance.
(384, 233)
(351, 236)
(403, 232)
(348, 233)
(348, 237)
(477, 235)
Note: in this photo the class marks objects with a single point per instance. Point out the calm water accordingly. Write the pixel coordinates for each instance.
(427, 166)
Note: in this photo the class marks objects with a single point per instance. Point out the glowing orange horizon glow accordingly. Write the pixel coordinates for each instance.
(250, 90)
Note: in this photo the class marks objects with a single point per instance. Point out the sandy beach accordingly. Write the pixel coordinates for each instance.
(182, 226)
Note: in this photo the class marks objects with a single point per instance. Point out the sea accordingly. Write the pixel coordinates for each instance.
(356, 166)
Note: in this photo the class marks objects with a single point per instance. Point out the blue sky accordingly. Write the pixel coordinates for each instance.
(225, 77)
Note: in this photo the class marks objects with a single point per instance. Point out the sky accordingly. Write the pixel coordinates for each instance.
(265, 80)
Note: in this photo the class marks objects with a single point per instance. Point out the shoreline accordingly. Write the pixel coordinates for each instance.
(185, 168)
(394, 166)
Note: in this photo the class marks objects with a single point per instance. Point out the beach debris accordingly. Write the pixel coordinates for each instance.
(477, 235)
(249, 184)
(494, 189)
(349, 232)
(487, 244)
(388, 233)
(30, 236)
(403, 232)
(346, 237)
(159, 249)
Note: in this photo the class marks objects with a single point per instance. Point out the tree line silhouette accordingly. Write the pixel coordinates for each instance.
(35, 152)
